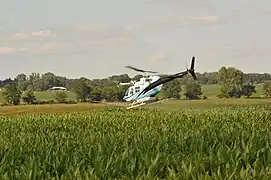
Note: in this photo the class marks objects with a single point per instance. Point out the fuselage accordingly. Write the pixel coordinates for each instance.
(133, 91)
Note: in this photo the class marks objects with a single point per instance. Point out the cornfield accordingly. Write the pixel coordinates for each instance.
(218, 143)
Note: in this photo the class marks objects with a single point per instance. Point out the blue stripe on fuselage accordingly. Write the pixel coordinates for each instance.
(149, 95)
(152, 94)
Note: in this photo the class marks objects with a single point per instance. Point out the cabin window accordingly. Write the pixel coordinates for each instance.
(131, 91)
(137, 89)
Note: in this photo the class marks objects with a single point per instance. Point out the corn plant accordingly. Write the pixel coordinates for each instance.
(230, 142)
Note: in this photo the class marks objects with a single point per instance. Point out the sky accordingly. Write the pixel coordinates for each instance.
(98, 38)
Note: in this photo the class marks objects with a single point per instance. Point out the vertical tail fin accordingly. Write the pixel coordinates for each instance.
(192, 68)
(192, 63)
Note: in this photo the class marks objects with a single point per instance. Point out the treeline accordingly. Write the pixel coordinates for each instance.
(234, 84)
(42, 82)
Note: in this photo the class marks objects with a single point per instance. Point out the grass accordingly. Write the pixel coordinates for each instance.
(178, 105)
(49, 95)
(212, 90)
(169, 105)
(227, 142)
(51, 108)
(46, 95)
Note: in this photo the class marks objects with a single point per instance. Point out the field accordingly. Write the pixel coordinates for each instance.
(211, 139)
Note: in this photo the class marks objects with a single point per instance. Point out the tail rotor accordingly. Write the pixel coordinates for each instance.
(192, 68)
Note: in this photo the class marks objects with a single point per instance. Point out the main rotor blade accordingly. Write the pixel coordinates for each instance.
(139, 70)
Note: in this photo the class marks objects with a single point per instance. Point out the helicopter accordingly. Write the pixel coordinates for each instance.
(144, 91)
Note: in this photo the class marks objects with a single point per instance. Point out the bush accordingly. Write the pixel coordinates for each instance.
(29, 97)
(61, 96)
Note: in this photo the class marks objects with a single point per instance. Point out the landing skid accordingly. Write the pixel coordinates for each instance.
(138, 104)
(134, 105)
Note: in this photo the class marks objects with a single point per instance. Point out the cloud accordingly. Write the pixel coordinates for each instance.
(249, 12)
(178, 21)
(99, 32)
(10, 50)
(241, 50)
(159, 56)
(191, 21)
(104, 33)
(89, 28)
(207, 19)
(41, 49)
(110, 36)
(98, 37)
(178, 2)
(43, 33)
(34, 34)
(53, 47)
(6, 50)
(19, 36)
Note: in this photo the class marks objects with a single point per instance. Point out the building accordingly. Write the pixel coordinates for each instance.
(57, 88)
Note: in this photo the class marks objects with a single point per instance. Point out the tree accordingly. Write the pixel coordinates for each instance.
(82, 89)
(267, 88)
(5, 82)
(61, 96)
(110, 93)
(212, 77)
(230, 76)
(12, 94)
(248, 90)
(48, 80)
(171, 89)
(120, 78)
(193, 90)
(33, 78)
(29, 97)
(22, 81)
(232, 81)
(96, 94)
(234, 92)
(137, 77)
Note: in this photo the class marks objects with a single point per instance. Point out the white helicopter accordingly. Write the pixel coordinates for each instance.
(145, 90)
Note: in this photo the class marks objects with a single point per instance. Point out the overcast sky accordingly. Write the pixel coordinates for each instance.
(97, 38)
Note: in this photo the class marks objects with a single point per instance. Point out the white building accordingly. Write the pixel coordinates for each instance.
(57, 88)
